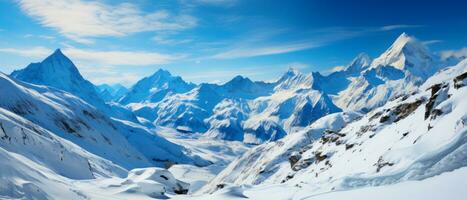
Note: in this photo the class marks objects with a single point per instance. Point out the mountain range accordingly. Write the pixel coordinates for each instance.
(398, 117)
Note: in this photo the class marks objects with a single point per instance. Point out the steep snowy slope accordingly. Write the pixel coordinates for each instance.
(20, 136)
(124, 143)
(155, 87)
(412, 137)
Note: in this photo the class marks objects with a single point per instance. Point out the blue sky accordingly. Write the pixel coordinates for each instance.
(214, 40)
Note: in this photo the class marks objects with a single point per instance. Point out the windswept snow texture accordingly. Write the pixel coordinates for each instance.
(412, 137)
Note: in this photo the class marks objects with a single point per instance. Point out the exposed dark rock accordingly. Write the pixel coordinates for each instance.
(319, 157)
(376, 115)
(459, 80)
(382, 163)
(404, 110)
(349, 146)
(330, 136)
(433, 101)
(164, 177)
(294, 158)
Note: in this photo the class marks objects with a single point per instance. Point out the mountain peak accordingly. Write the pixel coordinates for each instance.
(292, 71)
(358, 64)
(161, 73)
(407, 53)
(58, 71)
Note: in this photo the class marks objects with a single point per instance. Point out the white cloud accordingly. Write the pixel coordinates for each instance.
(166, 41)
(132, 58)
(46, 37)
(78, 20)
(108, 74)
(258, 42)
(428, 42)
(399, 26)
(129, 58)
(265, 50)
(297, 65)
(221, 3)
(460, 53)
(33, 52)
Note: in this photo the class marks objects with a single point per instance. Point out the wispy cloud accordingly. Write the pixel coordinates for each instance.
(259, 44)
(108, 74)
(79, 20)
(459, 53)
(428, 42)
(127, 58)
(167, 41)
(133, 58)
(266, 50)
(31, 52)
(46, 37)
(223, 3)
(399, 26)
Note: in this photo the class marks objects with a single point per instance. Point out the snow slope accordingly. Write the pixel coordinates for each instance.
(59, 72)
(448, 185)
(127, 144)
(412, 137)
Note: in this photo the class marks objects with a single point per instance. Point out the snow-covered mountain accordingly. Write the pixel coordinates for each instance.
(241, 109)
(411, 137)
(155, 87)
(124, 143)
(59, 72)
(111, 92)
(269, 111)
(404, 66)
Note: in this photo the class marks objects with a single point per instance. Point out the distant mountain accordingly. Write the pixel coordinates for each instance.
(155, 87)
(229, 111)
(111, 92)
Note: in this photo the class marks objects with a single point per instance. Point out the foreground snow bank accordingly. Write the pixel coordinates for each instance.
(445, 186)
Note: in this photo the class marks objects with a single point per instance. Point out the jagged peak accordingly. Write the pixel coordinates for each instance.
(406, 51)
(292, 71)
(239, 79)
(161, 72)
(362, 59)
